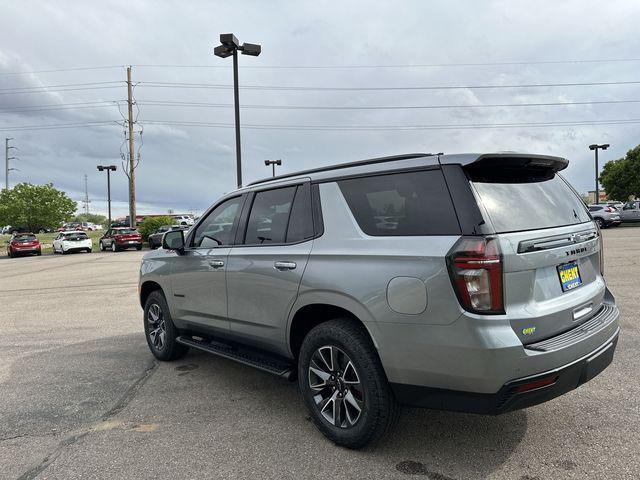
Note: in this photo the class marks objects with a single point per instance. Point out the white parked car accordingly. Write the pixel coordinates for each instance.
(72, 241)
(183, 220)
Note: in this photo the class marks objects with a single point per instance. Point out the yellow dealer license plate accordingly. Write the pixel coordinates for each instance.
(569, 276)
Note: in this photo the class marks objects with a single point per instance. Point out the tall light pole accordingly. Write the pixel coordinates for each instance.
(109, 169)
(230, 46)
(595, 147)
(273, 164)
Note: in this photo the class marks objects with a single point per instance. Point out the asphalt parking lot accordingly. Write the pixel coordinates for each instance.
(82, 397)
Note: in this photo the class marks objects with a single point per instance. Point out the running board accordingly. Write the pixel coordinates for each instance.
(257, 359)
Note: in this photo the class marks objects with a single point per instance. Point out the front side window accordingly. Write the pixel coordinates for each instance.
(217, 228)
(401, 204)
(269, 216)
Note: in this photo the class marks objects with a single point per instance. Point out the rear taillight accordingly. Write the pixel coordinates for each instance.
(601, 252)
(475, 267)
(608, 209)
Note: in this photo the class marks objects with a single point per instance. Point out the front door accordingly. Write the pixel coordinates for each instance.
(264, 271)
(198, 277)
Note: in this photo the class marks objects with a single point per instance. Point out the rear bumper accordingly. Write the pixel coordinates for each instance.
(25, 251)
(128, 244)
(516, 394)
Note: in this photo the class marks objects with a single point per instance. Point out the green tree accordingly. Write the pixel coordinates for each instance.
(35, 206)
(621, 178)
(150, 224)
(91, 218)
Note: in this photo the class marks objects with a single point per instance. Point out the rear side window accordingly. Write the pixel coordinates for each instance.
(269, 216)
(400, 204)
(521, 199)
(301, 221)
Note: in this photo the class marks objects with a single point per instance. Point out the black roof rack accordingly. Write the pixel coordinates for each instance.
(358, 163)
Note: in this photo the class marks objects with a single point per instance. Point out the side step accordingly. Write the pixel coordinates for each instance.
(254, 358)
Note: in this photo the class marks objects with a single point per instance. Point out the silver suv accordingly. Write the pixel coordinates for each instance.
(460, 282)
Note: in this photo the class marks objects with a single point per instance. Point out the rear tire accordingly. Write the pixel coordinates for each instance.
(139, 247)
(159, 329)
(351, 414)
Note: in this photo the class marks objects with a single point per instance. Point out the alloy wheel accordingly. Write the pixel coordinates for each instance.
(335, 383)
(157, 327)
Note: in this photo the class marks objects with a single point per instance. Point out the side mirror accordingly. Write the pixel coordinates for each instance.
(173, 240)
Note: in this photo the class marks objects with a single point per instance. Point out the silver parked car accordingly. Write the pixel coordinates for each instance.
(461, 282)
(631, 211)
(605, 215)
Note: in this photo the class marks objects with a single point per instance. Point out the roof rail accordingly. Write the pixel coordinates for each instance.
(358, 163)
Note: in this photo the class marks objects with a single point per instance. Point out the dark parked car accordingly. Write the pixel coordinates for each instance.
(118, 239)
(155, 239)
(23, 244)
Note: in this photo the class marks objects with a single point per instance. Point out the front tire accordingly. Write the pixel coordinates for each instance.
(600, 223)
(343, 384)
(159, 329)
(102, 249)
(114, 247)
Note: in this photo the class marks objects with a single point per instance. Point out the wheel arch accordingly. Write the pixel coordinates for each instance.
(309, 315)
(147, 288)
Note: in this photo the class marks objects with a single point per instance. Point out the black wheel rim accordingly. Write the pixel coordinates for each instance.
(336, 387)
(156, 326)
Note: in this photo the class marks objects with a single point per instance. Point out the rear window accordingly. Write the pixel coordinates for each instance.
(401, 204)
(517, 199)
(24, 238)
(76, 236)
(124, 231)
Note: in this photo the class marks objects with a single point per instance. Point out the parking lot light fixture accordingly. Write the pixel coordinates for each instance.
(273, 164)
(109, 169)
(595, 147)
(230, 47)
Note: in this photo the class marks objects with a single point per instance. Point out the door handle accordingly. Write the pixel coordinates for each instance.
(284, 265)
(216, 263)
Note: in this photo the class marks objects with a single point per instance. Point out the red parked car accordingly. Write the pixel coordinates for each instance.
(23, 244)
(117, 239)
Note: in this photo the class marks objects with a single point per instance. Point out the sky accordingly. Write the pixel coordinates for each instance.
(79, 50)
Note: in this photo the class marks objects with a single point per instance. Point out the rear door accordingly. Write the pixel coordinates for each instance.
(266, 264)
(550, 248)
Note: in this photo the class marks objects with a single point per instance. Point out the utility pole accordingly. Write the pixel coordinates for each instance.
(132, 178)
(86, 196)
(7, 147)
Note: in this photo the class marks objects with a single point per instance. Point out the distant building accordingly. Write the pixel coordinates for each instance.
(591, 194)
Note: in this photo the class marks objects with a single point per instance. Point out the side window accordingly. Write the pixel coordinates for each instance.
(216, 229)
(413, 203)
(301, 221)
(269, 216)
(594, 209)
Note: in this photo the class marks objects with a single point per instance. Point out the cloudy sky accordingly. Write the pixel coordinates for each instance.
(187, 157)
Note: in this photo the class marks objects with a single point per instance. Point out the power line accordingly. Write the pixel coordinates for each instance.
(340, 128)
(59, 125)
(406, 65)
(74, 69)
(62, 106)
(58, 86)
(350, 89)
(378, 107)
(60, 90)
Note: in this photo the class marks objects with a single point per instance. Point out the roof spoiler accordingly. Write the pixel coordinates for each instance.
(515, 160)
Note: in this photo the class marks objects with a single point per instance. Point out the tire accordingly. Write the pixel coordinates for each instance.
(102, 249)
(39, 253)
(163, 347)
(114, 247)
(63, 251)
(600, 223)
(351, 345)
(89, 250)
(139, 247)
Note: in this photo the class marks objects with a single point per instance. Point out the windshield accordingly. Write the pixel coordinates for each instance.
(517, 201)
(24, 238)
